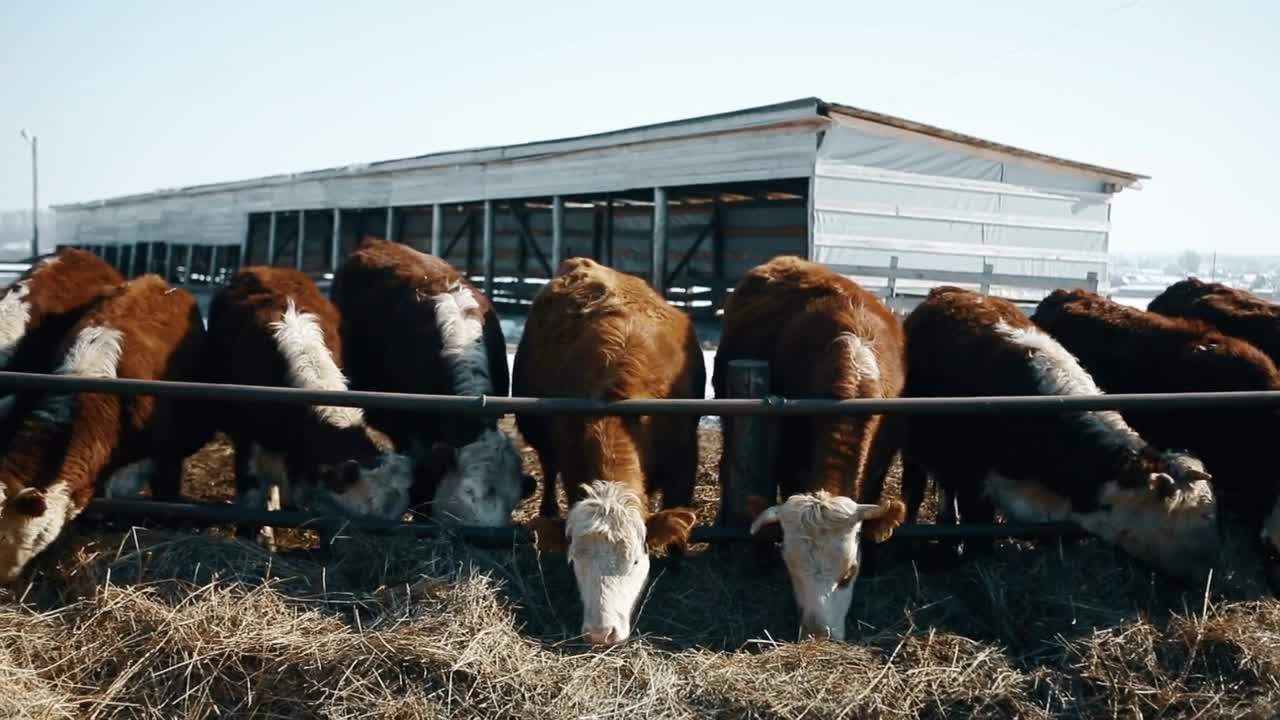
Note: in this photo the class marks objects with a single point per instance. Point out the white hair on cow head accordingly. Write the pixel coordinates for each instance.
(479, 483)
(822, 551)
(606, 532)
(310, 365)
(29, 522)
(461, 327)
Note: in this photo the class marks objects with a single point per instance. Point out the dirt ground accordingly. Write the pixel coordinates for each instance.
(152, 623)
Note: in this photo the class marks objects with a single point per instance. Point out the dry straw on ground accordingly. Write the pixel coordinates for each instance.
(164, 624)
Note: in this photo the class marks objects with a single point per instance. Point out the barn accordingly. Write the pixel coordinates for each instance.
(690, 205)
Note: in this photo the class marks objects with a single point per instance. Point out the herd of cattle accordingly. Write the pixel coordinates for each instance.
(398, 320)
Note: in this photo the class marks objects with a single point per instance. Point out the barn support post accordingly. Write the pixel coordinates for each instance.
(389, 227)
(213, 264)
(170, 272)
(335, 247)
(720, 280)
(987, 270)
(191, 259)
(437, 229)
(528, 242)
(146, 259)
(271, 239)
(658, 257)
(557, 233)
(1092, 281)
(486, 249)
(302, 239)
(608, 231)
(525, 238)
(893, 276)
(597, 232)
(748, 470)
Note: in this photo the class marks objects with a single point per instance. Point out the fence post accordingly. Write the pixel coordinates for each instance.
(987, 269)
(748, 469)
(893, 276)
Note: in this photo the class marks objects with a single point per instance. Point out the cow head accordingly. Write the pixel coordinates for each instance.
(479, 483)
(1166, 516)
(820, 546)
(30, 521)
(611, 535)
(374, 481)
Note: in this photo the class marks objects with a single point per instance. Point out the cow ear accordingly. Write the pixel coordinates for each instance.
(1162, 484)
(880, 521)
(669, 528)
(528, 486)
(29, 502)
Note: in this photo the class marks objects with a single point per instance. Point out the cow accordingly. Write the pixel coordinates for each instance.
(1090, 468)
(1128, 350)
(823, 337)
(70, 443)
(273, 326)
(39, 308)
(596, 333)
(411, 323)
(1229, 310)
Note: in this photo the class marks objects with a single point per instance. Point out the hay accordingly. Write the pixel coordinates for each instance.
(158, 624)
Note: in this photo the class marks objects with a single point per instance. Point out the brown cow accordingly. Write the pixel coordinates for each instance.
(596, 333)
(411, 323)
(39, 308)
(1131, 351)
(1232, 311)
(1091, 468)
(272, 326)
(63, 450)
(823, 337)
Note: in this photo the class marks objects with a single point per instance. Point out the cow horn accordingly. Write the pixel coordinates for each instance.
(768, 517)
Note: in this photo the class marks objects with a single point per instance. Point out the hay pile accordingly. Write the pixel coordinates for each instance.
(160, 625)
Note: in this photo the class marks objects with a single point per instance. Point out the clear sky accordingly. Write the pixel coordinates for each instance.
(135, 95)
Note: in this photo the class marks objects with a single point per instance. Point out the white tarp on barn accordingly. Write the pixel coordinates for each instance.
(945, 210)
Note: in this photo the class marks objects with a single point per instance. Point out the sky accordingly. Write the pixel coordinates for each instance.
(134, 95)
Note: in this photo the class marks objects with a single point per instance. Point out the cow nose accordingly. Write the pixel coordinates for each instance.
(607, 635)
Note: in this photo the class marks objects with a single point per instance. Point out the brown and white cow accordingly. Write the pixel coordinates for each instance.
(823, 337)
(69, 444)
(1230, 310)
(411, 323)
(1091, 468)
(596, 333)
(272, 326)
(1131, 351)
(39, 308)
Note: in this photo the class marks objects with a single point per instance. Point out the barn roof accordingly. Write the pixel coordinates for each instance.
(795, 112)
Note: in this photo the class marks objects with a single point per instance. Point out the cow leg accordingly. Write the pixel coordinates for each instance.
(677, 475)
(550, 507)
(252, 490)
(886, 442)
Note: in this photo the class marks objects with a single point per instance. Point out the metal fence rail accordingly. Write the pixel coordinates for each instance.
(205, 514)
(494, 405)
(210, 514)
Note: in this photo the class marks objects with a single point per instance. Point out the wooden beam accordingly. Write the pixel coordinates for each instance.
(389, 228)
(213, 264)
(608, 231)
(528, 240)
(688, 256)
(191, 261)
(658, 256)
(457, 235)
(720, 282)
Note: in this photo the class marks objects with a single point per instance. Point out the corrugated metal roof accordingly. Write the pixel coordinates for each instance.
(779, 114)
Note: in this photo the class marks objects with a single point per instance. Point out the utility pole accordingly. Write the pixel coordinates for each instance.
(35, 196)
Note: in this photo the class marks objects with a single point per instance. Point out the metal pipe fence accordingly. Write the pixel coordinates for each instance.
(776, 406)
(205, 514)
